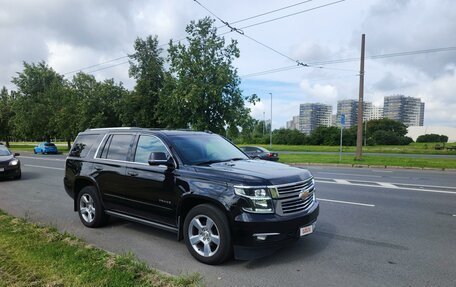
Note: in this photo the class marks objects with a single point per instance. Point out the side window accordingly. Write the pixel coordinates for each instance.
(83, 145)
(119, 147)
(146, 145)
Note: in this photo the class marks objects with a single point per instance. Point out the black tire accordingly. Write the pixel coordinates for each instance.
(34, 151)
(217, 253)
(94, 215)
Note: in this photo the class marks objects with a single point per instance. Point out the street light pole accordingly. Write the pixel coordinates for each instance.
(270, 129)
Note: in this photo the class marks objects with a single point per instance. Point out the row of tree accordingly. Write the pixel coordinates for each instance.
(378, 132)
(195, 86)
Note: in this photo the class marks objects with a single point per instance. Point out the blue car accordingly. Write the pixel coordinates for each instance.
(45, 148)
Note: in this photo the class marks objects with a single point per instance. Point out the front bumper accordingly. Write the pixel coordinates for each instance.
(10, 171)
(282, 230)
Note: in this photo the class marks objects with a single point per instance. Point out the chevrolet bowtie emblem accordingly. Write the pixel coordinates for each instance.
(304, 194)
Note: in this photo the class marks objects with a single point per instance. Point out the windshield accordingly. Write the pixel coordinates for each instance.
(205, 149)
(4, 151)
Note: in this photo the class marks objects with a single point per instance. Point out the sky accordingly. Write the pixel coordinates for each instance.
(73, 35)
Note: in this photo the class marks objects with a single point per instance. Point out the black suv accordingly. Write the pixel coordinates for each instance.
(196, 184)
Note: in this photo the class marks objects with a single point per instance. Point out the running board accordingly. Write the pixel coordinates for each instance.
(142, 221)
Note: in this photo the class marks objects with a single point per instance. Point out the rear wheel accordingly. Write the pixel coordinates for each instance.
(207, 234)
(90, 210)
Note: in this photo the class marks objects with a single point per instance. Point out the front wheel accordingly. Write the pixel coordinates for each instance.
(90, 210)
(207, 234)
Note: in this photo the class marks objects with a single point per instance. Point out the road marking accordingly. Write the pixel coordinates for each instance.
(41, 158)
(385, 171)
(396, 187)
(40, 166)
(386, 184)
(349, 174)
(346, 202)
(342, 181)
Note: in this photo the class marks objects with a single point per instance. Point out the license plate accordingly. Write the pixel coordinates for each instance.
(2, 169)
(305, 230)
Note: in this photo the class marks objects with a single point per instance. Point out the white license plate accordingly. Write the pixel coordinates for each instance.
(306, 230)
(2, 169)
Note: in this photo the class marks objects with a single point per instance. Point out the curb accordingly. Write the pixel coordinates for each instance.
(372, 166)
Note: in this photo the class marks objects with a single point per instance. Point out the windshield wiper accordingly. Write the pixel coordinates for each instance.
(208, 162)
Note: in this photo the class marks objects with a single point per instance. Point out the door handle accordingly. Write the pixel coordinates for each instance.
(132, 173)
(98, 168)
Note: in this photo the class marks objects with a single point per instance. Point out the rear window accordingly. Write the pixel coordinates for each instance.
(119, 147)
(49, 144)
(83, 145)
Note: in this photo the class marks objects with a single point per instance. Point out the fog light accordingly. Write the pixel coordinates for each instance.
(261, 237)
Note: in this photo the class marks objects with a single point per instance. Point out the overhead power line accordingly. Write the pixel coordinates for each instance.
(346, 60)
(238, 21)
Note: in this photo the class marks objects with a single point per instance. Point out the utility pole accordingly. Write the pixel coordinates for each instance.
(359, 136)
(270, 129)
(264, 122)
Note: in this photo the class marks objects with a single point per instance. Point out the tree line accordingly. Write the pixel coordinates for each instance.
(194, 86)
(378, 132)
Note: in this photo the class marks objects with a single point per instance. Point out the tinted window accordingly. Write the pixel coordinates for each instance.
(202, 148)
(146, 145)
(49, 144)
(82, 145)
(118, 149)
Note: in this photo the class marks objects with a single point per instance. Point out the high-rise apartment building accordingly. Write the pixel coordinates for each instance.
(293, 124)
(313, 115)
(350, 109)
(407, 110)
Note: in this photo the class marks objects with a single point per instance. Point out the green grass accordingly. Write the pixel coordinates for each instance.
(385, 161)
(413, 148)
(34, 255)
(28, 146)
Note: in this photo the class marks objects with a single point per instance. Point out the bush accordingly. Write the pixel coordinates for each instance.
(432, 138)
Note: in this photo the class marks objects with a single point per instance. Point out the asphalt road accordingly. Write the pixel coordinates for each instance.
(377, 227)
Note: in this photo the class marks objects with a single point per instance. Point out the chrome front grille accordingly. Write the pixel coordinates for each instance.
(289, 200)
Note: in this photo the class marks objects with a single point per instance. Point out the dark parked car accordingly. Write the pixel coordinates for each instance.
(196, 184)
(10, 166)
(259, 152)
(45, 148)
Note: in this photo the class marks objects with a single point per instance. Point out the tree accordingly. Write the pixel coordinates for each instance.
(98, 103)
(201, 90)
(6, 113)
(37, 98)
(146, 66)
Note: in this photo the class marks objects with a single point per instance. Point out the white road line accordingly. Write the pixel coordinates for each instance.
(40, 166)
(349, 174)
(341, 181)
(386, 184)
(346, 202)
(454, 215)
(41, 158)
(397, 187)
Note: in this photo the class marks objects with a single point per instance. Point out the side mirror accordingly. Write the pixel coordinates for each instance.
(160, 158)
(17, 154)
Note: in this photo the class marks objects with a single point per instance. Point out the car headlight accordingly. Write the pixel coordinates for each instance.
(14, 162)
(259, 199)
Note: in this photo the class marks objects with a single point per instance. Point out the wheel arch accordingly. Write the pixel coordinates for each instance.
(79, 184)
(189, 202)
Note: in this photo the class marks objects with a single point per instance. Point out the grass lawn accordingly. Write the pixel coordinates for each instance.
(34, 255)
(28, 146)
(413, 148)
(388, 161)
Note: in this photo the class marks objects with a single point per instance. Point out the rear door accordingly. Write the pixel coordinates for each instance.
(151, 190)
(109, 168)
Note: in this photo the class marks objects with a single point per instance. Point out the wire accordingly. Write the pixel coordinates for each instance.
(266, 13)
(108, 67)
(289, 15)
(338, 61)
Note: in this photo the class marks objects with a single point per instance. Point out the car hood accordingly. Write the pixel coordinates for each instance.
(255, 172)
(4, 158)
